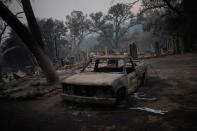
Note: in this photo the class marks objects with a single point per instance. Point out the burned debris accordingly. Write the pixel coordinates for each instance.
(130, 66)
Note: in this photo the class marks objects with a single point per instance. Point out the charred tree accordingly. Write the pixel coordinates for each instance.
(31, 19)
(1, 77)
(133, 50)
(157, 49)
(2, 32)
(120, 16)
(30, 42)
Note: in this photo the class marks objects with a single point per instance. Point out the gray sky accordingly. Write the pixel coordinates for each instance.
(60, 8)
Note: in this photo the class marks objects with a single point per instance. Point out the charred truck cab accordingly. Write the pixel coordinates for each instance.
(105, 80)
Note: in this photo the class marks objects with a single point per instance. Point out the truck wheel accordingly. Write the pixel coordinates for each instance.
(143, 82)
(121, 97)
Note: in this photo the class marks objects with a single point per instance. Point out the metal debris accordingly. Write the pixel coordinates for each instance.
(149, 110)
(141, 97)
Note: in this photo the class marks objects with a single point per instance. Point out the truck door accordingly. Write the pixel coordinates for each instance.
(132, 82)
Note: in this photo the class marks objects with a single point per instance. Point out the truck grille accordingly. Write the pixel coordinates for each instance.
(90, 91)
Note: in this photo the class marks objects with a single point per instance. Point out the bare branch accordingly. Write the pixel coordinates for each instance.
(133, 3)
(152, 8)
(163, 4)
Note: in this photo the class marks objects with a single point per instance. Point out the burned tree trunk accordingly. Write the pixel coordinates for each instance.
(30, 42)
(187, 43)
(133, 50)
(157, 49)
(31, 19)
(1, 77)
(174, 46)
(56, 49)
(116, 39)
(2, 32)
(178, 48)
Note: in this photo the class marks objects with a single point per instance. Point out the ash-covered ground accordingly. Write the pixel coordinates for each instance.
(172, 82)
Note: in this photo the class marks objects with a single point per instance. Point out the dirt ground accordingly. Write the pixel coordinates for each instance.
(172, 81)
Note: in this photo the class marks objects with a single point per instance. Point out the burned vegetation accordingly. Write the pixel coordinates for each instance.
(131, 67)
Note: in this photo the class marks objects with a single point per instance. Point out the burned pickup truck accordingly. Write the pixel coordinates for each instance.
(105, 80)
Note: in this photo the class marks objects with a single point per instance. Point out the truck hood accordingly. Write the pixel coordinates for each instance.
(104, 79)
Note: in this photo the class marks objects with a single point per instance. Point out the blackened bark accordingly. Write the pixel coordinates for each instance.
(157, 49)
(56, 49)
(30, 42)
(133, 50)
(1, 77)
(117, 30)
(190, 20)
(2, 32)
(31, 19)
(187, 43)
(178, 48)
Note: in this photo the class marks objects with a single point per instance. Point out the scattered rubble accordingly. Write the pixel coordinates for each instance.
(30, 82)
(19, 74)
(26, 88)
